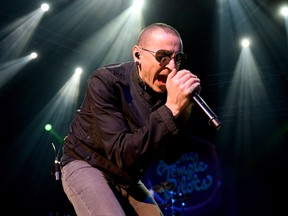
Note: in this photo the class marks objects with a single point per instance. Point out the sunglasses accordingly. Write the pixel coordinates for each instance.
(165, 56)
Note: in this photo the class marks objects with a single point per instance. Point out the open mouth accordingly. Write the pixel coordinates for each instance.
(162, 78)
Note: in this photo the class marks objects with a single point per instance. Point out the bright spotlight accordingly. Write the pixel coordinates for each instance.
(44, 7)
(137, 5)
(48, 127)
(78, 70)
(76, 75)
(284, 11)
(33, 55)
(245, 43)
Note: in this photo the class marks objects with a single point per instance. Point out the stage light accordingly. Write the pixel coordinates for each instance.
(48, 127)
(78, 70)
(284, 11)
(33, 55)
(245, 43)
(137, 5)
(44, 7)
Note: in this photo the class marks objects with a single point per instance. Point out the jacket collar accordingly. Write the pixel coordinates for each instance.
(153, 98)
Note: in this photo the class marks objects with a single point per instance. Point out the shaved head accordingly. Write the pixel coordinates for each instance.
(150, 30)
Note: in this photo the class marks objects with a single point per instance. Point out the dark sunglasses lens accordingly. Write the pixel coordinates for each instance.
(180, 58)
(163, 55)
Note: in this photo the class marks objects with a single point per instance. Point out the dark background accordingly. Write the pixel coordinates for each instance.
(251, 145)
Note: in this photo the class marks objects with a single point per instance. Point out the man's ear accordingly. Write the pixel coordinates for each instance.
(136, 53)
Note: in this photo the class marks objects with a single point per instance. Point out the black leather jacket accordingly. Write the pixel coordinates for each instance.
(122, 124)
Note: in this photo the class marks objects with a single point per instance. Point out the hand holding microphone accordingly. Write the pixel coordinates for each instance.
(182, 86)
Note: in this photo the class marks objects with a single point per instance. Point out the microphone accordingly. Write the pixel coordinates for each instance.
(213, 119)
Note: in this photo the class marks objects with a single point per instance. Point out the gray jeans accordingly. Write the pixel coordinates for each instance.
(91, 194)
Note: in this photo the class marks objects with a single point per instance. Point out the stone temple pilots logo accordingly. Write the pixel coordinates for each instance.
(188, 184)
(192, 172)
